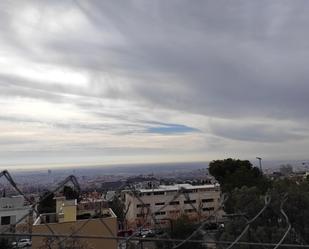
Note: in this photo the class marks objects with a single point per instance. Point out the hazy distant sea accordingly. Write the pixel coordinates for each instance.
(147, 168)
(128, 169)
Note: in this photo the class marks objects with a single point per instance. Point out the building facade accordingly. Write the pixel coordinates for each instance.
(168, 202)
(70, 219)
(12, 210)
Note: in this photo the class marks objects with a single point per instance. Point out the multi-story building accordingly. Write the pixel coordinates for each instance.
(12, 210)
(168, 202)
(88, 219)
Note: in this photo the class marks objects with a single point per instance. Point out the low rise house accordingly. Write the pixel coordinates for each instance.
(13, 210)
(88, 219)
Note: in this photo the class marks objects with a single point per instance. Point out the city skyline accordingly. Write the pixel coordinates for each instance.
(107, 82)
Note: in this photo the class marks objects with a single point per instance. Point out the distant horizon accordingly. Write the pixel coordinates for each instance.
(42, 167)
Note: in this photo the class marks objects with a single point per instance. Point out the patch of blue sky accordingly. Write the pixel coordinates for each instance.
(171, 129)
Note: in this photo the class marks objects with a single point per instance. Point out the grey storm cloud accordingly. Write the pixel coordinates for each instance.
(233, 60)
(257, 132)
(218, 58)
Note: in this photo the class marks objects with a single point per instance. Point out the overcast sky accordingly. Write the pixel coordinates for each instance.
(99, 82)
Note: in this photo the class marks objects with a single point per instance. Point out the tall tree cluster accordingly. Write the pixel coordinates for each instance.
(231, 174)
(247, 188)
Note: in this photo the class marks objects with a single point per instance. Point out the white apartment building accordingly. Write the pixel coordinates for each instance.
(168, 202)
(12, 209)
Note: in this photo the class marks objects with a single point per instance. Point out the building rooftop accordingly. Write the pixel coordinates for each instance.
(71, 211)
(54, 217)
(177, 187)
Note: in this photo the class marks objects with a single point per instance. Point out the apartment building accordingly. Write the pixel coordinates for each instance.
(168, 202)
(85, 219)
(12, 210)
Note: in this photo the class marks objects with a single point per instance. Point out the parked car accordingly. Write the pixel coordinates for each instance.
(22, 243)
(159, 232)
(146, 233)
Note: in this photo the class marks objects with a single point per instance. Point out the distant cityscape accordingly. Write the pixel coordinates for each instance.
(95, 176)
(130, 202)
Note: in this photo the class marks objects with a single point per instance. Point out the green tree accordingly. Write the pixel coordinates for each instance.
(47, 203)
(5, 244)
(118, 208)
(70, 193)
(72, 243)
(297, 206)
(182, 228)
(244, 200)
(232, 173)
(244, 203)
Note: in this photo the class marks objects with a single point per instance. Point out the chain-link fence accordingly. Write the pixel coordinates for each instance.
(34, 230)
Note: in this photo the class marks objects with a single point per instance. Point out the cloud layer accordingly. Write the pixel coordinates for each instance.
(134, 81)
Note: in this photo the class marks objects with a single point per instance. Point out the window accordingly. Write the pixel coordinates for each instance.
(171, 192)
(158, 193)
(190, 191)
(174, 212)
(209, 209)
(142, 205)
(208, 200)
(174, 203)
(159, 203)
(5, 220)
(7, 206)
(189, 210)
(189, 201)
(207, 190)
(160, 213)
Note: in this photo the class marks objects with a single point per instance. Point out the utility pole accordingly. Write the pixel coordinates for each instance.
(141, 241)
(141, 244)
(260, 162)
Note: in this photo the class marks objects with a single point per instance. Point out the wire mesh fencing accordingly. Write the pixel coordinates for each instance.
(34, 230)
